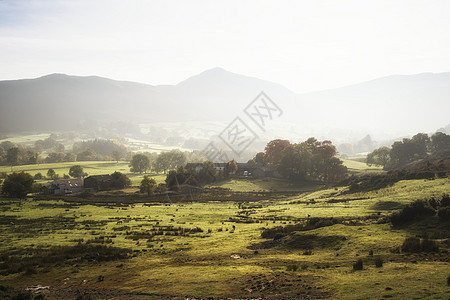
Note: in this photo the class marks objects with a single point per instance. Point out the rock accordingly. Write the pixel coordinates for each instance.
(38, 289)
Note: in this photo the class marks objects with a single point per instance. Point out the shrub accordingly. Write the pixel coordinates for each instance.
(416, 210)
(358, 265)
(38, 176)
(378, 262)
(413, 244)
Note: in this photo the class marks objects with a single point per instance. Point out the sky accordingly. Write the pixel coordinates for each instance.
(303, 45)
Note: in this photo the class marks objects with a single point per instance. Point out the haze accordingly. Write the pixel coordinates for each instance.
(304, 45)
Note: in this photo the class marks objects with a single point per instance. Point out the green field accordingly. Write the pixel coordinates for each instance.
(215, 248)
(357, 167)
(90, 167)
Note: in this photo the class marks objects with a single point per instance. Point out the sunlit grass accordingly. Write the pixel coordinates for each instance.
(200, 264)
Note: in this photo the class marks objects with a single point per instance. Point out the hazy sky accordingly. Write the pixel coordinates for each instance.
(304, 45)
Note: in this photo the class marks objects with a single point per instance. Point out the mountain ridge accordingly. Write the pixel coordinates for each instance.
(60, 101)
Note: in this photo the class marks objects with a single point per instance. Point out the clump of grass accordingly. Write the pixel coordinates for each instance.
(358, 265)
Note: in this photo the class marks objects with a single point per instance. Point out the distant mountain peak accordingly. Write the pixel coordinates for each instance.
(216, 70)
(55, 75)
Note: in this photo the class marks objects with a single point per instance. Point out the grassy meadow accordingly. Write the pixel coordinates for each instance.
(90, 167)
(203, 249)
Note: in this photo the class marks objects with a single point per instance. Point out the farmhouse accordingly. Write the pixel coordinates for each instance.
(66, 186)
(199, 166)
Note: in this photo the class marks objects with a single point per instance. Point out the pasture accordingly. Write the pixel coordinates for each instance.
(215, 248)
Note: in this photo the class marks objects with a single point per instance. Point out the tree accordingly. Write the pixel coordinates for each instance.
(170, 160)
(440, 144)
(52, 174)
(70, 157)
(55, 157)
(147, 185)
(120, 180)
(380, 157)
(38, 176)
(230, 168)
(313, 160)
(176, 179)
(274, 151)
(258, 159)
(208, 173)
(18, 185)
(116, 155)
(162, 163)
(77, 171)
(87, 155)
(100, 146)
(422, 144)
(295, 162)
(59, 147)
(139, 163)
(12, 156)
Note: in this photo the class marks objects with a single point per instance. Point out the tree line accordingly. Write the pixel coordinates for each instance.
(309, 160)
(408, 150)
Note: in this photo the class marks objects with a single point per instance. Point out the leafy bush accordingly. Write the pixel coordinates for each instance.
(414, 211)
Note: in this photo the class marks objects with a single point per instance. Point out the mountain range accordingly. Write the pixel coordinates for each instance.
(393, 105)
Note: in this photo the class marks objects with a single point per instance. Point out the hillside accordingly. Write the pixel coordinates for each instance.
(59, 101)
